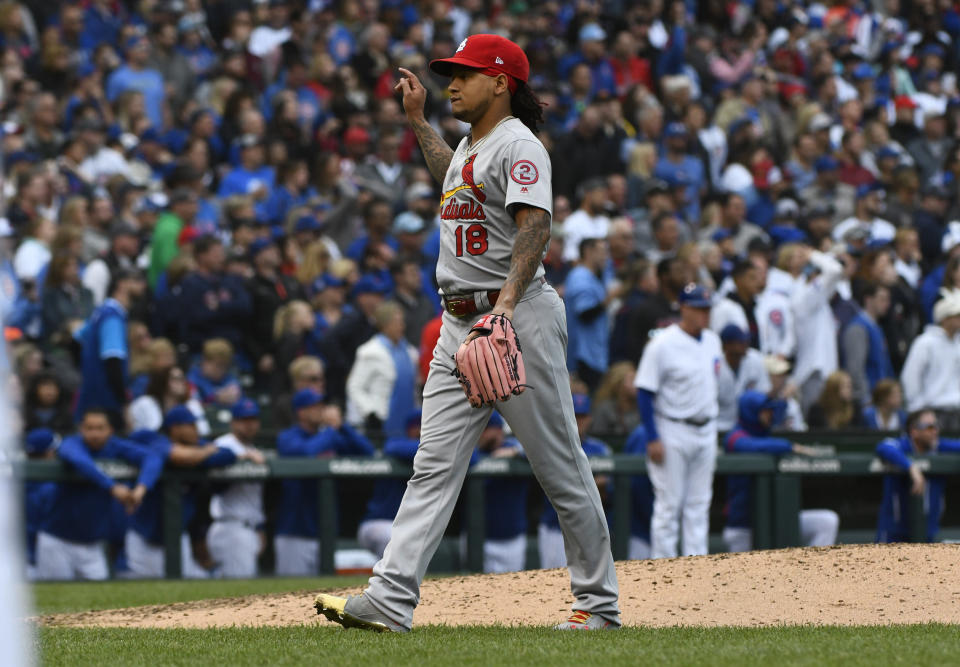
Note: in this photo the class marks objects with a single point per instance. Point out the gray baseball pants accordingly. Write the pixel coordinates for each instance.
(542, 419)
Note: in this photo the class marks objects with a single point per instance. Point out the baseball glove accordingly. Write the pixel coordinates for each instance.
(490, 366)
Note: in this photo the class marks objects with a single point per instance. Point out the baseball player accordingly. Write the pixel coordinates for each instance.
(921, 438)
(40, 443)
(641, 498)
(319, 431)
(235, 538)
(494, 227)
(549, 536)
(373, 532)
(505, 504)
(758, 414)
(677, 397)
(180, 447)
(70, 542)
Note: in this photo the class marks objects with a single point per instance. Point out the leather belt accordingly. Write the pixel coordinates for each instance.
(464, 305)
(699, 423)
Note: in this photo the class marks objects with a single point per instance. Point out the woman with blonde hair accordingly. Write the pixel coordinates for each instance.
(314, 263)
(836, 408)
(615, 403)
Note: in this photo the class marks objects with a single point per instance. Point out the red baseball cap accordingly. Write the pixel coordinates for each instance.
(491, 54)
(904, 102)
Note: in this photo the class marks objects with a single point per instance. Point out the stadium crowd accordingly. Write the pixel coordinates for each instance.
(211, 202)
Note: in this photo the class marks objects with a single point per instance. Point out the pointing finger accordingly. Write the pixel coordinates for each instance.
(411, 77)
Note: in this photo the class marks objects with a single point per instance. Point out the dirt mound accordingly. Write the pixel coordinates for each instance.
(844, 585)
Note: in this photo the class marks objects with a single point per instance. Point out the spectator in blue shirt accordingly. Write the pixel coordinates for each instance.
(920, 439)
(319, 432)
(592, 52)
(677, 165)
(252, 177)
(641, 499)
(104, 348)
(211, 376)
(70, 541)
(216, 304)
(588, 327)
(135, 75)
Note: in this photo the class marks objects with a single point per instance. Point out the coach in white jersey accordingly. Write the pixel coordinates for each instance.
(677, 397)
(494, 227)
(235, 538)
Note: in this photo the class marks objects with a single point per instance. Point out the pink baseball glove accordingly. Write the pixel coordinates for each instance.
(490, 365)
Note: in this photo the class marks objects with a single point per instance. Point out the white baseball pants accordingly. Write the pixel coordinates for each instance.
(551, 547)
(638, 549)
(682, 488)
(296, 556)
(146, 560)
(234, 547)
(818, 528)
(63, 560)
(374, 535)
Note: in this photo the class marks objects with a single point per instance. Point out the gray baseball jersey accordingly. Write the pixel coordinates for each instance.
(508, 166)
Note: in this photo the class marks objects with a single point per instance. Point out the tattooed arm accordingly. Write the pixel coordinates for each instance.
(533, 233)
(435, 150)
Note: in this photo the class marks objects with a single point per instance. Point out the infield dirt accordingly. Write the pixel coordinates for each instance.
(843, 585)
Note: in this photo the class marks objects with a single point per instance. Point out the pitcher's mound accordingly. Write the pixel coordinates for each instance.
(844, 585)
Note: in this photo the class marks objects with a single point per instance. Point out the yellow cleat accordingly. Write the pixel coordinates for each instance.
(334, 608)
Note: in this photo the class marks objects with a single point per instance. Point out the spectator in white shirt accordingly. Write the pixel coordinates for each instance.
(587, 222)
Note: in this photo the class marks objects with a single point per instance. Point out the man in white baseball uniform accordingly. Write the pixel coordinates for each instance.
(677, 397)
(235, 538)
(495, 217)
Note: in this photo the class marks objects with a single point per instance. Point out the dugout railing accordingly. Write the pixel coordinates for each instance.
(776, 497)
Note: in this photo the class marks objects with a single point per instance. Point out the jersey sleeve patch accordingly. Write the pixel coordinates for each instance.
(524, 172)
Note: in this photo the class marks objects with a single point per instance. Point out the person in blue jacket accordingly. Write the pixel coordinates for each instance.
(318, 431)
(104, 350)
(641, 499)
(758, 412)
(178, 445)
(70, 541)
(920, 439)
(505, 503)
(40, 443)
(549, 536)
(374, 530)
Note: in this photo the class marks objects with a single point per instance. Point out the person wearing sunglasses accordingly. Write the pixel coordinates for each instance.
(921, 438)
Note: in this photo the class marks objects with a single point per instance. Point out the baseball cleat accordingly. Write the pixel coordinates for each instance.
(335, 609)
(584, 620)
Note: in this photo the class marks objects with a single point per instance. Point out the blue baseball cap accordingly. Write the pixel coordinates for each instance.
(40, 440)
(179, 414)
(581, 404)
(134, 42)
(675, 129)
(245, 408)
(721, 235)
(867, 189)
(862, 72)
(258, 246)
(887, 151)
(932, 50)
(370, 284)
(85, 70)
(826, 163)
(734, 334)
(150, 134)
(306, 223)
(305, 398)
(695, 296)
(783, 234)
(326, 281)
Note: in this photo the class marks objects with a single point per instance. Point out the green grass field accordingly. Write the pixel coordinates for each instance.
(327, 644)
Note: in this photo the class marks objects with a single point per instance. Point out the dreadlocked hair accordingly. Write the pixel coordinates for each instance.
(526, 106)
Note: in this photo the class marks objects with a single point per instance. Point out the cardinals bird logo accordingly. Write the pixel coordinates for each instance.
(466, 173)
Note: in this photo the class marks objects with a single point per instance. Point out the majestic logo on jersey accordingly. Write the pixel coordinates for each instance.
(469, 210)
(524, 172)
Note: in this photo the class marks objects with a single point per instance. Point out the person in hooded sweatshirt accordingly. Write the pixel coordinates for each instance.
(751, 435)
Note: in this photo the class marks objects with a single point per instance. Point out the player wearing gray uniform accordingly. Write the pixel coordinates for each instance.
(235, 538)
(495, 224)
